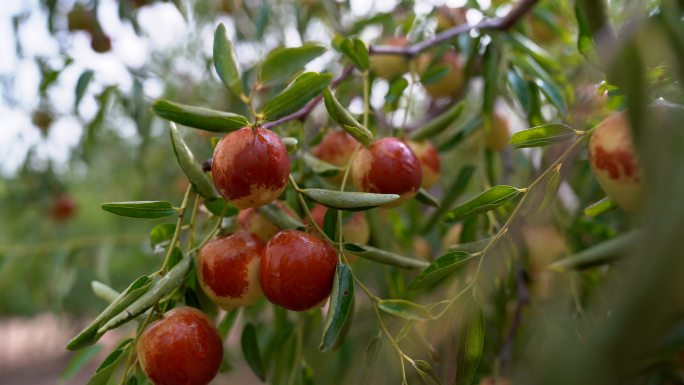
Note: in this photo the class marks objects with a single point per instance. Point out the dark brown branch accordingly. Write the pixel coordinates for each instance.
(303, 112)
(498, 24)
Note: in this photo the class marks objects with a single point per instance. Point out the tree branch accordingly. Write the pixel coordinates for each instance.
(498, 23)
(303, 112)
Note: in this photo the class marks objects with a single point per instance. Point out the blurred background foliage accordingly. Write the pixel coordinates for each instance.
(80, 78)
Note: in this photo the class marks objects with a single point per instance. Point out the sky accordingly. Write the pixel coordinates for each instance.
(162, 26)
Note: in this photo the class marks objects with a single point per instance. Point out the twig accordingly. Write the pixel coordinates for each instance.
(306, 110)
(523, 300)
(498, 24)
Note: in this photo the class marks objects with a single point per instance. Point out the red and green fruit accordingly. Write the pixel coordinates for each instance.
(336, 148)
(429, 161)
(449, 84)
(390, 66)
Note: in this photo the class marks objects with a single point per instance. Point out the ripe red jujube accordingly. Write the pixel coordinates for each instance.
(388, 167)
(228, 269)
(297, 270)
(250, 167)
(427, 154)
(182, 348)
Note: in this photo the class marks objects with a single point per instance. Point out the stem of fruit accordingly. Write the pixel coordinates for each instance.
(131, 355)
(176, 233)
(366, 98)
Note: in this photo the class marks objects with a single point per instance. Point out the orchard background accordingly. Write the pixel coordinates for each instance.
(510, 265)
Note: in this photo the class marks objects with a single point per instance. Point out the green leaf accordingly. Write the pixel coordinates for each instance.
(354, 49)
(543, 194)
(189, 165)
(372, 353)
(521, 90)
(161, 233)
(385, 257)
(225, 61)
(492, 59)
(89, 335)
(438, 124)
(290, 144)
(603, 206)
(199, 117)
(320, 167)
(221, 207)
(330, 223)
(281, 63)
(486, 201)
(542, 135)
(441, 267)
(227, 322)
(599, 254)
(79, 361)
(453, 192)
(104, 292)
(346, 200)
(434, 74)
(543, 57)
(426, 373)
(553, 94)
(250, 349)
(81, 86)
(280, 218)
(340, 309)
(140, 209)
(340, 115)
(585, 41)
(108, 366)
(304, 88)
(472, 343)
(404, 309)
(396, 89)
(159, 289)
(426, 198)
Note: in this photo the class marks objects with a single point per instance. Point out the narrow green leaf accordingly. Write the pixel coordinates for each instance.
(330, 223)
(372, 353)
(355, 50)
(161, 233)
(320, 167)
(361, 53)
(340, 309)
(199, 117)
(434, 74)
(543, 194)
(599, 254)
(453, 192)
(519, 87)
(603, 206)
(441, 267)
(282, 63)
(471, 247)
(225, 61)
(426, 198)
(492, 59)
(426, 373)
(465, 129)
(385, 257)
(340, 115)
(140, 209)
(486, 201)
(346, 200)
(89, 335)
(280, 218)
(79, 361)
(542, 135)
(304, 88)
(104, 292)
(159, 289)
(250, 349)
(553, 94)
(109, 365)
(81, 86)
(438, 124)
(227, 322)
(404, 309)
(189, 165)
(396, 89)
(472, 343)
(543, 57)
(221, 207)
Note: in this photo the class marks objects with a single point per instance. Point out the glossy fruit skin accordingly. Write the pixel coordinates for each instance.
(250, 167)
(228, 269)
(614, 163)
(429, 161)
(390, 67)
(354, 230)
(388, 166)
(451, 83)
(182, 348)
(297, 270)
(252, 221)
(63, 207)
(336, 148)
(499, 134)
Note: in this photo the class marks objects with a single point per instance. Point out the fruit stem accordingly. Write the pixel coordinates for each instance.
(176, 233)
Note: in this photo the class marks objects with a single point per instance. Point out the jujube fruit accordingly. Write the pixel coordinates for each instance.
(614, 163)
(387, 66)
(250, 167)
(182, 348)
(451, 82)
(252, 221)
(448, 17)
(297, 270)
(228, 269)
(499, 134)
(336, 148)
(388, 166)
(63, 207)
(427, 154)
